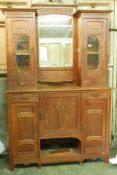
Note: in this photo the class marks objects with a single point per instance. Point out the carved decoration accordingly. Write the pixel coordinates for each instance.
(60, 108)
(55, 1)
(63, 11)
(25, 115)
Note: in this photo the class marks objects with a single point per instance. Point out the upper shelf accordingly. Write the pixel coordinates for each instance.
(93, 4)
(19, 9)
(91, 11)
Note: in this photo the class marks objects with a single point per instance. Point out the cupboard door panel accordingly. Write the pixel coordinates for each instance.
(59, 114)
(21, 50)
(95, 44)
(94, 117)
(92, 48)
(94, 108)
(25, 131)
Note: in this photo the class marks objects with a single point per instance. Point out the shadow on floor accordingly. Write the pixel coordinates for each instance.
(89, 167)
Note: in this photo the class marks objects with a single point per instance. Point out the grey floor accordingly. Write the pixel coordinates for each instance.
(97, 167)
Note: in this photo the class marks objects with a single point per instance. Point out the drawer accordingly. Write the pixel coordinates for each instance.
(95, 95)
(25, 97)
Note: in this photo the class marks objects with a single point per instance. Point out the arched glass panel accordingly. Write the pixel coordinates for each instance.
(55, 40)
(93, 53)
(92, 44)
(22, 54)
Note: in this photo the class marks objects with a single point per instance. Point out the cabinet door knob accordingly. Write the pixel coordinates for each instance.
(24, 98)
(42, 115)
(21, 83)
(95, 95)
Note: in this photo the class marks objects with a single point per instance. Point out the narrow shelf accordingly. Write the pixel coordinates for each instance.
(53, 5)
(93, 4)
(60, 152)
(23, 53)
(91, 53)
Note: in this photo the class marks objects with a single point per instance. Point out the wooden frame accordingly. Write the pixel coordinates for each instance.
(62, 111)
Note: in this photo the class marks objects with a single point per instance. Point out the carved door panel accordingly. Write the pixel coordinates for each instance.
(59, 114)
(94, 108)
(24, 126)
(21, 50)
(95, 52)
(93, 48)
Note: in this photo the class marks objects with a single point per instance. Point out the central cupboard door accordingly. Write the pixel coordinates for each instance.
(59, 114)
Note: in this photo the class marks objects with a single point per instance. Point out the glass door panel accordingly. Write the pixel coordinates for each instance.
(92, 61)
(22, 54)
(93, 53)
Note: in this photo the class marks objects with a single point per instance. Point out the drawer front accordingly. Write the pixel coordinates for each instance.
(24, 97)
(95, 95)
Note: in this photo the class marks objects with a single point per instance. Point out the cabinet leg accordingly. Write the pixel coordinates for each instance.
(107, 159)
(39, 165)
(81, 162)
(11, 166)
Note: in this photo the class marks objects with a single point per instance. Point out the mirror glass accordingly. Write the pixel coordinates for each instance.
(93, 55)
(22, 54)
(55, 41)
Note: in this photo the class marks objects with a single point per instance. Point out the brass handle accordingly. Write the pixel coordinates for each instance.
(42, 115)
(21, 83)
(95, 95)
(24, 98)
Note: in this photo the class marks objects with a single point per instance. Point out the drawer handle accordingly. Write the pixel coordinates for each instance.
(21, 83)
(95, 95)
(24, 98)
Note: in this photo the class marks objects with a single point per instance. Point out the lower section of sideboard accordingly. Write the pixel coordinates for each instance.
(55, 127)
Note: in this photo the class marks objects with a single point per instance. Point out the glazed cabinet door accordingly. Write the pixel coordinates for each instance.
(95, 123)
(59, 115)
(93, 48)
(23, 123)
(21, 49)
